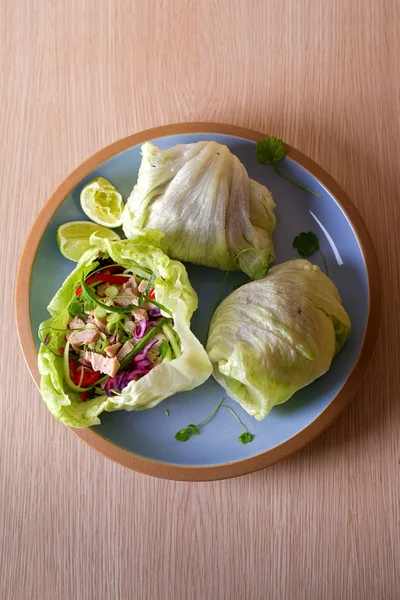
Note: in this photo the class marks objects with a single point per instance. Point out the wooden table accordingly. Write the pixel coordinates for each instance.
(324, 76)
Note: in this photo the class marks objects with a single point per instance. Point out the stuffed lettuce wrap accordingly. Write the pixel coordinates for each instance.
(273, 336)
(119, 335)
(202, 198)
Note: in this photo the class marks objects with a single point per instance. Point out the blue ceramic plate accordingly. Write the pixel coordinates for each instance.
(145, 440)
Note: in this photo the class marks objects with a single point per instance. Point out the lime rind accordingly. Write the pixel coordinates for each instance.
(73, 237)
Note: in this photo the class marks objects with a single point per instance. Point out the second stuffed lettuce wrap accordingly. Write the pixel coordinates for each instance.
(273, 336)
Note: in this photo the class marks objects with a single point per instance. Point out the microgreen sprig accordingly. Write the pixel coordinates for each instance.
(246, 437)
(307, 243)
(183, 435)
(272, 150)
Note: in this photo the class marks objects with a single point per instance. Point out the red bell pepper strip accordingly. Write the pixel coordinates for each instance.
(103, 278)
(82, 376)
(152, 294)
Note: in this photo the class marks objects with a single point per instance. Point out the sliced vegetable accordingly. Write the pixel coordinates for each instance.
(170, 335)
(143, 342)
(71, 373)
(140, 329)
(100, 313)
(102, 277)
(165, 351)
(112, 291)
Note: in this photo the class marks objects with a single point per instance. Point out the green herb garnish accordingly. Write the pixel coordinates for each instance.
(307, 243)
(166, 412)
(272, 150)
(246, 437)
(183, 435)
(75, 308)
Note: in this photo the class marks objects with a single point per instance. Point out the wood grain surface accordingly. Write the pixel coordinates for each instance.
(77, 75)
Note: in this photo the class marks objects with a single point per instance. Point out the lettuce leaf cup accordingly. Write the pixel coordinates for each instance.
(273, 336)
(119, 334)
(202, 198)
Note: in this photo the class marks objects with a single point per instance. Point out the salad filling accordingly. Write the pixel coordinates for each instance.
(116, 332)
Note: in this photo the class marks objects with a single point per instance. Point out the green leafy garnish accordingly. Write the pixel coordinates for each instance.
(307, 243)
(272, 150)
(166, 412)
(183, 435)
(246, 437)
(89, 305)
(75, 309)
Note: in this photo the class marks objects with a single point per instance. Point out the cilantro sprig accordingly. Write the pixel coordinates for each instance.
(183, 435)
(246, 437)
(272, 150)
(307, 243)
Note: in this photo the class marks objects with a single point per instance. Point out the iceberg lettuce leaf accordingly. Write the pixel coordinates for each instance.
(202, 198)
(273, 336)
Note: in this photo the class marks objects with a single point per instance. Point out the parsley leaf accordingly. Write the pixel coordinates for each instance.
(246, 437)
(186, 433)
(272, 150)
(166, 412)
(75, 308)
(183, 434)
(307, 243)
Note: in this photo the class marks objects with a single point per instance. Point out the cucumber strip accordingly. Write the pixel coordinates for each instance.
(170, 335)
(143, 342)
